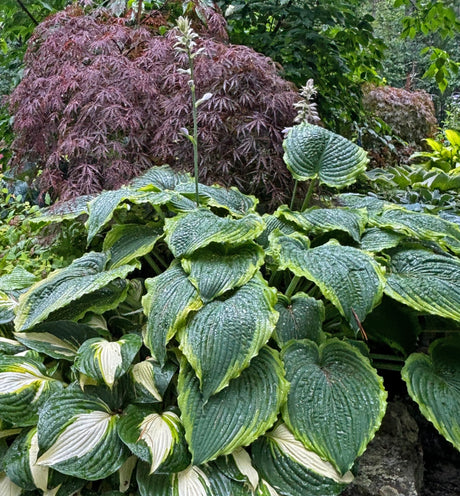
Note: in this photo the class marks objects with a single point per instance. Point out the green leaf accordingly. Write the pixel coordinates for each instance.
(238, 415)
(433, 383)
(348, 277)
(215, 271)
(372, 204)
(161, 178)
(271, 224)
(150, 380)
(170, 298)
(60, 339)
(10, 346)
(62, 287)
(336, 400)
(7, 305)
(314, 152)
(300, 317)
(156, 438)
(292, 470)
(77, 435)
(18, 278)
(67, 210)
(107, 361)
(24, 386)
(130, 241)
(319, 220)
(425, 281)
(220, 340)
(238, 466)
(376, 239)
(186, 233)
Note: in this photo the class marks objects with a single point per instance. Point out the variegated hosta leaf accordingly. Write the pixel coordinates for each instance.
(231, 199)
(170, 298)
(300, 317)
(433, 382)
(10, 346)
(156, 438)
(348, 277)
(336, 400)
(238, 466)
(67, 210)
(186, 233)
(125, 473)
(271, 224)
(314, 152)
(82, 277)
(59, 339)
(264, 489)
(292, 470)
(24, 386)
(239, 414)
(77, 435)
(8, 487)
(422, 226)
(18, 278)
(150, 380)
(7, 305)
(221, 338)
(215, 271)
(130, 241)
(376, 240)
(161, 178)
(320, 220)
(107, 361)
(425, 281)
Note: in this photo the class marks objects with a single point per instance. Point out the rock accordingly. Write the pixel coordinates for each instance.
(392, 465)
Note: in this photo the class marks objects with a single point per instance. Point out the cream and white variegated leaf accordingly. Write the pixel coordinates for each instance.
(77, 435)
(125, 473)
(264, 489)
(24, 386)
(7, 487)
(107, 361)
(39, 474)
(244, 465)
(10, 346)
(142, 374)
(192, 482)
(150, 380)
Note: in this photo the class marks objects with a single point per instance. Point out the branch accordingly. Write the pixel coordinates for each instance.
(25, 9)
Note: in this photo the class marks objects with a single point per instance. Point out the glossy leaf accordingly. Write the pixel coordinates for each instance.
(336, 400)
(372, 204)
(18, 278)
(150, 380)
(161, 178)
(315, 152)
(221, 338)
(239, 414)
(375, 239)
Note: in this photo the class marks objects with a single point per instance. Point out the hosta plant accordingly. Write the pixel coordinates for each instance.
(204, 349)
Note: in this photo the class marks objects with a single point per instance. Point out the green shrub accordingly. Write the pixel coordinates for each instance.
(217, 351)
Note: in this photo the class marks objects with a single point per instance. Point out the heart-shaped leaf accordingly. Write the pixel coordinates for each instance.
(336, 401)
(238, 415)
(221, 338)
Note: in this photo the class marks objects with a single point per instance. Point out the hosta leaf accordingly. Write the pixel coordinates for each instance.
(83, 276)
(372, 204)
(161, 178)
(230, 199)
(220, 339)
(319, 220)
(77, 435)
(7, 305)
(130, 241)
(336, 400)
(150, 380)
(238, 466)
(18, 278)
(186, 233)
(376, 240)
(300, 317)
(8, 487)
(24, 386)
(348, 277)
(238, 415)
(60, 339)
(425, 281)
(271, 224)
(170, 298)
(10, 346)
(422, 226)
(433, 382)
(60, 211)
(292, 470)
(156, 438)
(222, 268)
(107, 361)
(314, 152)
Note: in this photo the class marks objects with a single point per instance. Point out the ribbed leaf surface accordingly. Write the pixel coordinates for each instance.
(221, 338)
(77, 435)
(129, 241)
(376, 240)
(24, 386)
(18, 278)
(170, 298)
(215, 271)
(434, 383)
(300, 317)
(314, 152)
(238, 415)
(83, 276)
(8, 487)
(348, 277)
(150, 380)
(187, 233)
(292, 470)
(336, 401)
(107, 361)
(425, 281)
(372, 204)
(271, 224)
(319, 220)
(161, 178)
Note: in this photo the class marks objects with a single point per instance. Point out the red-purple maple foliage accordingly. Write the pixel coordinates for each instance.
(102, 101)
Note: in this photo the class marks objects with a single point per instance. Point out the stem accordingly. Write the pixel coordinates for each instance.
(311, 188)
(390, 358)
(139, 12)
(24, 8)
(160, 259)
(294, 192)
(292, 286)
(195, 125)
(152, 264)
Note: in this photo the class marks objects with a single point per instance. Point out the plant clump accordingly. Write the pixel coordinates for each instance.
(102, 101)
